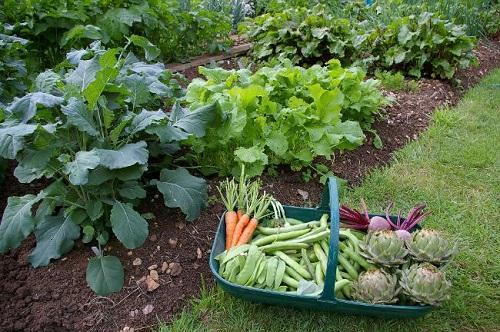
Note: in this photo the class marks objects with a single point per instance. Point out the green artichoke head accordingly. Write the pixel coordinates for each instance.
(426, 284)
(376, 286)
(384, 248)
(430, 246)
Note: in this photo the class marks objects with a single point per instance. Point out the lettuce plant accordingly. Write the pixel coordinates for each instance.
(90, 127)
(281, 115)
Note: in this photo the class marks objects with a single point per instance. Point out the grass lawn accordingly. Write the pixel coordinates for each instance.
(455, 168)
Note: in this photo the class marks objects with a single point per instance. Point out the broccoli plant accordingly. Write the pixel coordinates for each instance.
(90, 127)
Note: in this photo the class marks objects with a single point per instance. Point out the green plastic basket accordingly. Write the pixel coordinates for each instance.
(326, 300)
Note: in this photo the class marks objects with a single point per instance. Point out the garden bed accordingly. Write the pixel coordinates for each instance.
(57, 298)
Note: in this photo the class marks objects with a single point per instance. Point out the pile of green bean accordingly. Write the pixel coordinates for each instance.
(278, 258)
(349, 262)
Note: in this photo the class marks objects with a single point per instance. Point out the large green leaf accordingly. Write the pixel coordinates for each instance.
(132, 190)
(108, 72)
(17, 221)
(47, 81)
(138, 89)
(105, 275)
(24, 108)
(193, 122)
(78, 169)
(143, 120)
(55, 236)
(12, 138)
(184, 123)
(81, 32)
(84, 73)
(182, 190)
(100, 175)
(78, 116)
(127, 155)
(128, 225)
(151, 52)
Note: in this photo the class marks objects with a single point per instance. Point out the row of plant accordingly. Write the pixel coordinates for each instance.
(479, 16)
(92, 127)
(417, 45)
(379, 260)
(180, 29)
(282, 114)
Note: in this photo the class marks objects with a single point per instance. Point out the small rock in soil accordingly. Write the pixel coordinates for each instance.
(175, 269)
(137, 262)
(304, 194)
(151, 284)
(180, 225)
(153, 267)
(148, 309)
(128, 329)
(172, 242)
(154, 275)
(153, 237)
(199, 254)
(134, 313)
(164, 267)
(129, 253)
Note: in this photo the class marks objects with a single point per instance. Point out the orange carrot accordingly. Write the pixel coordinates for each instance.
(248, 232)
(231, 220)
(240, 225)
(240, 213)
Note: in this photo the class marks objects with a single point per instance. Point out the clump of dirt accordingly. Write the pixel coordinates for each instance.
(56, 297)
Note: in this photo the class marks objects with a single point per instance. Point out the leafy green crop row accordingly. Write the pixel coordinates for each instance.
(281, 115)
(417, 45)
(180, 29)
(91, 126)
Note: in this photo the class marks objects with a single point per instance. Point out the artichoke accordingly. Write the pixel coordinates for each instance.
(384, 248)
(430, 246)
(376, 286)
(426, 284)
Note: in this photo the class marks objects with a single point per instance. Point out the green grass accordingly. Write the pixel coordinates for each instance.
(455, 168)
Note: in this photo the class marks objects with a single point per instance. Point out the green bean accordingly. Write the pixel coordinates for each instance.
(278, 237)
(318, 275)
(348, 267)
(280, 272)
(235, 251)
(253, 256)
(338, 276)
(312, 232)
(272, 267)
(292, 273)
(355, 257)
(341, 284)
(351, 237)
(324, 220)
(307, 262)
(321, 257)
(345, 275)
(293, 221)
(347, 290)
(281, 230)
(289, 281)
(325, 247)
(256, 270)
(290, 262)
(311, 238)
(283, 246)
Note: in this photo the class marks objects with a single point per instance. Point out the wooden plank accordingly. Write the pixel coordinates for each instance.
(204, 59)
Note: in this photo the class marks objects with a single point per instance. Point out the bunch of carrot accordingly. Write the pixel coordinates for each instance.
(245, 206)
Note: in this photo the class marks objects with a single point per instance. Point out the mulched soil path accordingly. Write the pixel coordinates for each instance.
(56, 298)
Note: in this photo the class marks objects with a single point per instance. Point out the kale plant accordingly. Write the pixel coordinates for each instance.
(90, 127)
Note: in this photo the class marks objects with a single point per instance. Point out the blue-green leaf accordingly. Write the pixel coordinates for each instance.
(78, 116)
(24, 108)
(17, 221)
(127, 155)
(55, 236)
(182, 190)
(105, 275)
(128, 225)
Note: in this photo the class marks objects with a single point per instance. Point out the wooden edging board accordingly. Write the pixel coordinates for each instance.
(204, 59)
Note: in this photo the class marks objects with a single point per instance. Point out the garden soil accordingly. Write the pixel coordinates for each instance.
(175, 256)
